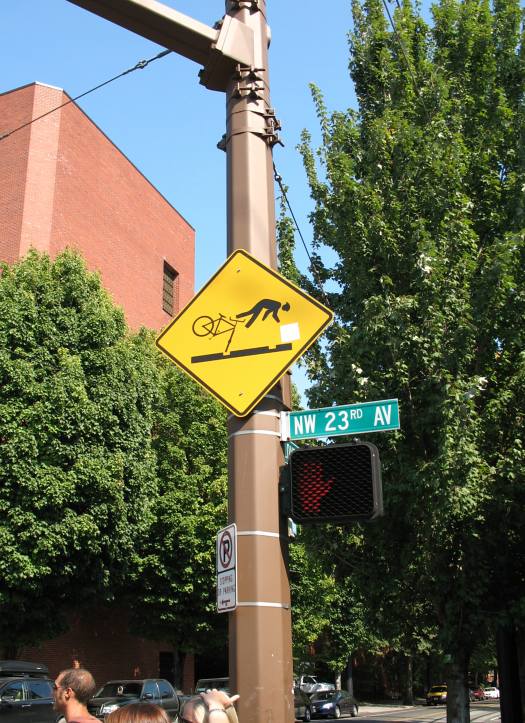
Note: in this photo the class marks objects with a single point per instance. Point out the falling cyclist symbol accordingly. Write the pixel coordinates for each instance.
(207, 326)
(270, 307)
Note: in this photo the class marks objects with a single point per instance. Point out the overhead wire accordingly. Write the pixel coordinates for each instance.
(139, 66)
(402, 46)
(315, 274)
(278, 177)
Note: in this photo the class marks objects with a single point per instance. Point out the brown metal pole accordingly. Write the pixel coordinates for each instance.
(260, 628)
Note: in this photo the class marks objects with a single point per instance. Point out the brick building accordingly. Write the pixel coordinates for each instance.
(63, 183)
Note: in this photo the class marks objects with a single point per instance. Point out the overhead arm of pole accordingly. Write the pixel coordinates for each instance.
(218, 50)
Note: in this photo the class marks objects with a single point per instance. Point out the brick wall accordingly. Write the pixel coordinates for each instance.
(100, 640)
(15, 110)
(64, 183)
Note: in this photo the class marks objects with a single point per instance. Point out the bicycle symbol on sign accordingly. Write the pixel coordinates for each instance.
(206, 326)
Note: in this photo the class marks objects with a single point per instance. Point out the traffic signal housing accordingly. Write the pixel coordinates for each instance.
(336, 483)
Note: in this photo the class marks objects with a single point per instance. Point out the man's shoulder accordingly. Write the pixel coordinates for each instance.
(83, 719)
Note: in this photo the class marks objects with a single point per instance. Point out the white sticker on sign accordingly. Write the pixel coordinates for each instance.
(290, 332)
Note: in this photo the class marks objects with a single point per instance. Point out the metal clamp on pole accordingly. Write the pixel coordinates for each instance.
(252, 5)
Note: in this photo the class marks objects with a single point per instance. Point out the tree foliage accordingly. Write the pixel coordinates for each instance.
(77, 471)
(174, 592)
(329, 615)
(420, 192)
(113, 466)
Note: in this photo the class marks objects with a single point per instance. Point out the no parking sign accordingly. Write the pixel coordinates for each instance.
(227, 569)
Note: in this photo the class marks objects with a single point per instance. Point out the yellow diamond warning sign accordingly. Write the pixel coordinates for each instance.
(242, 331)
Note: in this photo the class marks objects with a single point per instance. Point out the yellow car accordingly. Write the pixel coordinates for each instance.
(437, 694)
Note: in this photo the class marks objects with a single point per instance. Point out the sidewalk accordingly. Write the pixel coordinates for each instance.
(378, 708)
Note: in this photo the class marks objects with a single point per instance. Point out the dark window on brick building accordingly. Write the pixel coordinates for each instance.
(170, 288)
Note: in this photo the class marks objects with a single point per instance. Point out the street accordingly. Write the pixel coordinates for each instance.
(481, 712)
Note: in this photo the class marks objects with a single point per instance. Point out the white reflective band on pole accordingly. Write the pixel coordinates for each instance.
(266, 432)
(283, 606)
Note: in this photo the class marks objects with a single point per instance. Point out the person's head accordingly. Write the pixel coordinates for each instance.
(194, 710)
(139, 713)
(73, 685)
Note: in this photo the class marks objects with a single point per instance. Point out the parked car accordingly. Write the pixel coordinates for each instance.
(118, 693)
(204, 684)
(491, 692)
(477, 694)
(302, 706)
(333, 704)
(26, 693)
(437, 694)
(309, 684)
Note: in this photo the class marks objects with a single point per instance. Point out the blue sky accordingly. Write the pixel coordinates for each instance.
(162, 119)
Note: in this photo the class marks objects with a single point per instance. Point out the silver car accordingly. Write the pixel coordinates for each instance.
(309, 684)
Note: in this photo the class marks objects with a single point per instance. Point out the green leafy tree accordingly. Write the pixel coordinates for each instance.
(77, 471)
(328, 611)
(312, 592)
(421, 196)
(174, 595)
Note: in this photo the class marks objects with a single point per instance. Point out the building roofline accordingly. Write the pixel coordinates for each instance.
(73, 102)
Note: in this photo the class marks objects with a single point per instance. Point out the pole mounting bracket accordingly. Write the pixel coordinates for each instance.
(252, 5)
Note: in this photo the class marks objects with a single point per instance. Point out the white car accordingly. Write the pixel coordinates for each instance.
(309, 684)
(491, 693)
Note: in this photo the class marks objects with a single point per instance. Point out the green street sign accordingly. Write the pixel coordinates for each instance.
(380, 416)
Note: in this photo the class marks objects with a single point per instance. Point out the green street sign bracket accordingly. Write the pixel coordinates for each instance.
(349, 419)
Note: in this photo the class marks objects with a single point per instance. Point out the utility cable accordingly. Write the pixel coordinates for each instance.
(403, 50)
(318, 281)
(405, 55)
(139, 66)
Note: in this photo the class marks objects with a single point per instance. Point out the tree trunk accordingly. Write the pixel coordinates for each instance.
(458, 709)
(350, 676)
(408, 680)
(510, 701)
(178, 667)
(428, 672)
(338, 680)
(520, 648)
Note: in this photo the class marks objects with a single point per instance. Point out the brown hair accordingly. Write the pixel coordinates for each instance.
(80, 681)
(139, 713)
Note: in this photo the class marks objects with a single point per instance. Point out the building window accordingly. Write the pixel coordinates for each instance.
(170, 288)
